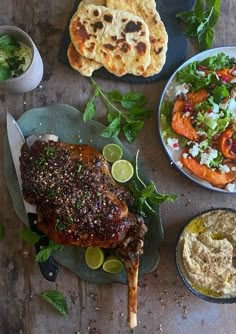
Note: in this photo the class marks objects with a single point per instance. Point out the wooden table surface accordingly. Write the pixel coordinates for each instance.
(165, 305)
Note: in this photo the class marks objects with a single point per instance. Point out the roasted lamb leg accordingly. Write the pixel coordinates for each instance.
(79, 203)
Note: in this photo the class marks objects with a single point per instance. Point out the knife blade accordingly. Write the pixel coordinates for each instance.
(16, 139)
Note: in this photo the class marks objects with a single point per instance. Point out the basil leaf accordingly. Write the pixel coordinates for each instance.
(47, 251)
(157, 198)
(2, 231)
(30, 236)
(113, 129)
(89, 111)
(131, 100)
(146, 192)
(57, 300)
(138, 113)
(111, 116)
(115, 96)
(131, 129)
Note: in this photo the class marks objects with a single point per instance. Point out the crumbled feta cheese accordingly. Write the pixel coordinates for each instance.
(233, 169)
(182, 89)
(230, 187)
(200, 73)
(186, 114)
(212, 115)
(185, 155)
(179, 164)
(224, 105)
(207, 158)
(173, 143)
(232, 107)
(224, 169)
(194, 151)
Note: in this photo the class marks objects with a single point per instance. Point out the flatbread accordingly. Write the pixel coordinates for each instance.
(81, 64)
(146, 9)
(117, 39)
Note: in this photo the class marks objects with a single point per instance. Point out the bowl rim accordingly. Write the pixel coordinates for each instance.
(198, 56)
(30, 43)
(218, 300)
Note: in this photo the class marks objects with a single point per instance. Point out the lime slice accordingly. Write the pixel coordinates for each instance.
(122, 170)
(113, 265)
(112, 152)
(94, 257)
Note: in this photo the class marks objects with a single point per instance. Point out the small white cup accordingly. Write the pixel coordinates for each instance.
(31, 78)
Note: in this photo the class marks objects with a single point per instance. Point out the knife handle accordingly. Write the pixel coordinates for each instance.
(48, 268)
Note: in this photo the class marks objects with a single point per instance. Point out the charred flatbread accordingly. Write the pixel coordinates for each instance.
(81, 64)
(146, 9)
(117, 39)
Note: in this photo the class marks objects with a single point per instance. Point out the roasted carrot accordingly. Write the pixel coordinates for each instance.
(226, 142)
(181, 122)
(215, 178)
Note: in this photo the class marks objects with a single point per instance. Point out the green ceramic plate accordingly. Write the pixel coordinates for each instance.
(66, 122)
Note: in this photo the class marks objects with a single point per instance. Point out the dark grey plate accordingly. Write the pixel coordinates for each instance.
(177, 43)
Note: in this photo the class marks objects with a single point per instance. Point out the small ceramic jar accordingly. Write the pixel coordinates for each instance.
(31, 77)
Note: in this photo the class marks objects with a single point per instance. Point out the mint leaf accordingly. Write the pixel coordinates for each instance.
(131, 129)
(5, 72)
(8, 44)
(89, 111)
(47, 251)
(114, 96)
(131, 100)
(57, 300)
(113, 129)
(2, 231)
(124, 111)
(200, 21)
(30, 236)
(137, 113)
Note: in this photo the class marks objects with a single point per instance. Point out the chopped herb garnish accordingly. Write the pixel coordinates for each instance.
(50, 151)
(40, 163)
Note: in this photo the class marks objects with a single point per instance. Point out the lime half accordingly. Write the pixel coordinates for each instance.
(112, 152)
(122, 170)
(113, 265)
(94, 257)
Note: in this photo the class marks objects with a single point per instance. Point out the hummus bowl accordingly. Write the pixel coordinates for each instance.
(206, 255)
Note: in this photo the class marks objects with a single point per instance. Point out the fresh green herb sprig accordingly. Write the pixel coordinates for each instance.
(46, 251)
(147, 196)
(125, 112)
(200, 22)
(10, 64)
(57, 300)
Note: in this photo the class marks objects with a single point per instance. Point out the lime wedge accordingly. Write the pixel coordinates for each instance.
(94, 257)
(113, 265)
(112, 152)
(122, 170)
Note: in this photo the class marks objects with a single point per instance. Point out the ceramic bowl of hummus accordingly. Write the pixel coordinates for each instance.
(206, 255)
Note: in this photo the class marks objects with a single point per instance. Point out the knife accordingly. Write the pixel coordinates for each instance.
(16, 139)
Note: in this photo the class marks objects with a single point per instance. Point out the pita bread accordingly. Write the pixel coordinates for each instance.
(146, 9)
(83, 65)
(117, 39)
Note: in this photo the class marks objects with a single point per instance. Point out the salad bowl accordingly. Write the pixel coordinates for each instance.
(196, 119)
